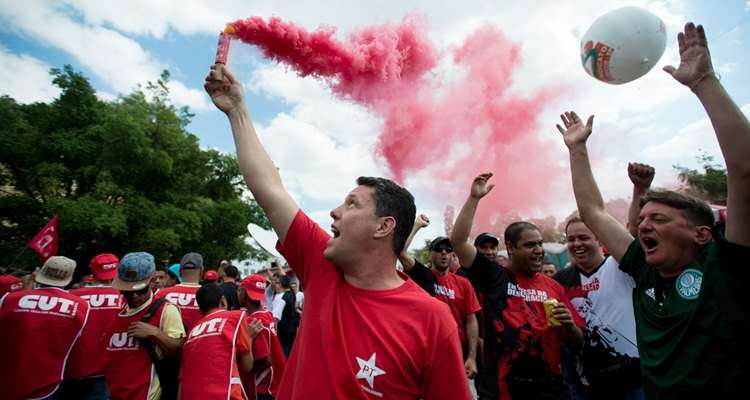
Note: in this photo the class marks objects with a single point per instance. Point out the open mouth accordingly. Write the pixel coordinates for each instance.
(579, 252)
(335, 232)
(649, 244)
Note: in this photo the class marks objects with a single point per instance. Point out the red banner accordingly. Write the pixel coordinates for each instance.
(45, 242)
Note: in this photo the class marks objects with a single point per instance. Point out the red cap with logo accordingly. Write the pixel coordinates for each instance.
(255, 287)
(10, 283)
(104, 266)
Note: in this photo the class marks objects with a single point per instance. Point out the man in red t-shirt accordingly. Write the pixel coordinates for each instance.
(269, 360)
(183, 294)
(84, 376)
(38, 329)
(223, 337)
(521, 346)
(368, 331)
(453, 290)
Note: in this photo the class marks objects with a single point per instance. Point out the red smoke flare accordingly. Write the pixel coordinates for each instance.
(452, 131)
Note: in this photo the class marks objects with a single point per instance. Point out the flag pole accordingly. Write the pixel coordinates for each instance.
(12, 263)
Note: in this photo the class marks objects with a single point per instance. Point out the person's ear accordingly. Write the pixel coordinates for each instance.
(386, 225)
(703, 235)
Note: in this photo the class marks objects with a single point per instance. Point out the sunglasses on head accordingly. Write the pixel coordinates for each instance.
(439, 249)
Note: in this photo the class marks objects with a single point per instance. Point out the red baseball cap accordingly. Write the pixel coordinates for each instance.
(255, 287)
(104, 266)
(10, 283)
(210, 276)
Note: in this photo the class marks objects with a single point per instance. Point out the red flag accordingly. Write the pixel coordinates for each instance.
(45, 242)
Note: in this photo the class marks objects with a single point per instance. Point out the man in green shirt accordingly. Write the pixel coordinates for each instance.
(690, 301)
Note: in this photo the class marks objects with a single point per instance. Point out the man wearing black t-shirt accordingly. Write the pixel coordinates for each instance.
(521, 347)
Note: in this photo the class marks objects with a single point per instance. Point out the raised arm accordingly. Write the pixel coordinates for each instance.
(641, 175)
(407, 260)
(588, 198)
(463, 248)
(730, 125)
(260, 173)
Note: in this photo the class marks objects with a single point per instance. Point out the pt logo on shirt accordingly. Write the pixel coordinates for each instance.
(207, 328)
(121, 341)
(182, 300)
(40, 304)
(368, 370)
(102, 300)
(688, 284)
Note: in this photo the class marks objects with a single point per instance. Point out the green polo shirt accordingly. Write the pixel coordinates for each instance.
(693, 329)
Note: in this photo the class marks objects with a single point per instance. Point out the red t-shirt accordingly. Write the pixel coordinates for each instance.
(453, 290)
(265, 377)
(367, 344)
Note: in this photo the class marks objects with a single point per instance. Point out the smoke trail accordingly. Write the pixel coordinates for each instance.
(451, 130)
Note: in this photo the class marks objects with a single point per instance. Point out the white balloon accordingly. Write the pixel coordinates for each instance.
(623, 45)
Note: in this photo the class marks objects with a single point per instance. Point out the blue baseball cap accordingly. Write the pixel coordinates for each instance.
(134, 271)
(174, 272)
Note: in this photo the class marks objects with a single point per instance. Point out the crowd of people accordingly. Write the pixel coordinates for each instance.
(648, 310)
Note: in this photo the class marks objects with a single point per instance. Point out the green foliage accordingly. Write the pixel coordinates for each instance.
(709, 184)
(422, 254)
(121, 176)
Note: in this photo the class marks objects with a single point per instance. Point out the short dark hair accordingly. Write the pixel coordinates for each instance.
(513, 231)
(696, 211)
(573, 220)
(161, 267)
(209, 296)
(285, 282)
(231, 271)
(392, 200)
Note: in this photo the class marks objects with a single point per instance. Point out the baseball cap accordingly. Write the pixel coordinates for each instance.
(174, 272)
(440, 240)
(486, 237)
(191, 260)
(10, 283)
(56, 271)
(134, 271)
(255, 287)
(210, 276)
(104, 266)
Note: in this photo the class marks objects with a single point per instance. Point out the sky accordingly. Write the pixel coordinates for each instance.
(322, 137)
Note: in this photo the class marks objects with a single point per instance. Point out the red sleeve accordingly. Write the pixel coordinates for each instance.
(243, 338)
(445, 377)
(471, 303)
(262, 345)
(303, 247)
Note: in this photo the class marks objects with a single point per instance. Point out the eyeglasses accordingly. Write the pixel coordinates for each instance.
(440, 249)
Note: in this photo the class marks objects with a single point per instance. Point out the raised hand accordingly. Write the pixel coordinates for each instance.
(422, 221)
(226, 93)
(575, 131)
(695, 59)
(641, 175)
(479, 187)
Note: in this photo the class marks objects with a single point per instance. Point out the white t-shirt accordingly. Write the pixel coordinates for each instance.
(277, 305)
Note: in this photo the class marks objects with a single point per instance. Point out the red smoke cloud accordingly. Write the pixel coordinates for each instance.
(449, 130)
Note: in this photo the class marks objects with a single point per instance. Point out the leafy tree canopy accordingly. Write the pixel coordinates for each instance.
(120, 175)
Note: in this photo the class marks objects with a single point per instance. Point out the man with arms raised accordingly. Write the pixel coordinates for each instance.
(521, 348)
(367, 331)
(690, 278)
